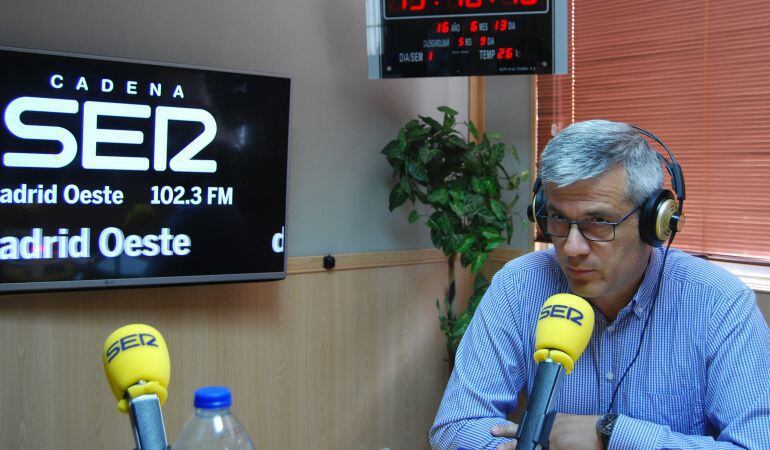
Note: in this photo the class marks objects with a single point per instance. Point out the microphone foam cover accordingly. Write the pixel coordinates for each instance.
(563, 330)
(135, 353)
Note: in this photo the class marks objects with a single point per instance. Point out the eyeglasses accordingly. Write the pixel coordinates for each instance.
(593, 231)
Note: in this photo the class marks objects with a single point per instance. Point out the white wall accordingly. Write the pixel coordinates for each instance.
(338, 181)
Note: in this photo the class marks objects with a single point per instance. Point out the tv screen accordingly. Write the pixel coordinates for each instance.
(130, 173)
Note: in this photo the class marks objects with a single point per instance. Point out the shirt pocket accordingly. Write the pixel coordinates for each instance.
(682, 410)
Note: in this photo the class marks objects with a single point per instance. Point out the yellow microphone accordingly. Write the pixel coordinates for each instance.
(138, 368)
(564, 327)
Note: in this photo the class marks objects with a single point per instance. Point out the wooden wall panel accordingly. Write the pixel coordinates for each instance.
(348, 359)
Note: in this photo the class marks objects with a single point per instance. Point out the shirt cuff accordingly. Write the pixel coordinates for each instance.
(629, 433)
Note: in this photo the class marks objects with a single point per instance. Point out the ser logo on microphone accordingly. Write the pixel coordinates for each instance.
(562, 312)
(128, 342)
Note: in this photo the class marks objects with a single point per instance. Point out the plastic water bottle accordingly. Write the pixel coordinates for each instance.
(213, 427)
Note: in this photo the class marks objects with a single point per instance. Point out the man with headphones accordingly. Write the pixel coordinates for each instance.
(679, 358)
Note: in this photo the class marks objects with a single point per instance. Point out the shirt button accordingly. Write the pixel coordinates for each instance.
(611, 328)
(610, 376)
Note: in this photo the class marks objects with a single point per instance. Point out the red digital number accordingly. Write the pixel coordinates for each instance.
(411, 5)
(442, 27)
(501, 25)
(483, 41)
(505, 53)
(471, 3)
(460, 42)
(474, 25)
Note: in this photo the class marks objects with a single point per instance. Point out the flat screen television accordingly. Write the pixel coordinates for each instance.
(130, 173)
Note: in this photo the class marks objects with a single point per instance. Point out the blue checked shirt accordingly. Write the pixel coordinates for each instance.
(701, 380)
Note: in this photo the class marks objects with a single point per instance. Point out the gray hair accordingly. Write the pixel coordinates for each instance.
(588, 149)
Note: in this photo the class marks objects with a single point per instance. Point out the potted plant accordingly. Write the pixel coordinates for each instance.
(461, 182)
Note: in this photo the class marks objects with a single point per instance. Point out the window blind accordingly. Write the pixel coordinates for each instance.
(696, 74)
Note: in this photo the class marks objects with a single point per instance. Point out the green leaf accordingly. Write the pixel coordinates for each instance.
(392, 149)
(515, 154)
(443, 223)
(466, 244)
(475, 204)
(435, 126)
(449, 121)
(417, 171)
(473, 131)
(489, 233)
(479, 262)
(397, 197)
(447, 110)
(459, 142)
(435, 238)
(458, 208)
(478, 186)
(414, 216)
(450, 244)
(401, 139)
(419, 134)
(493, 244)
(498, 208)
(427, 153)
(461, 325)
(497, 153)
(412, 126)
(491, 186)
(439, 196)
(457, 195)
(467, 257)
(480, 284)
(488, 217)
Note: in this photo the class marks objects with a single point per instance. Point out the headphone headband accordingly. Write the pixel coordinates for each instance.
(672, 166)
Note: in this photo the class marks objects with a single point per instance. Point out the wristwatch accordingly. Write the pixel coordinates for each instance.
(604, 427)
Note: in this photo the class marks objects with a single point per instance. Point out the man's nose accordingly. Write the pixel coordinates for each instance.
(576, 243)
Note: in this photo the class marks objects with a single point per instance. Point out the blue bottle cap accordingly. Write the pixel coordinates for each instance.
(213, 397)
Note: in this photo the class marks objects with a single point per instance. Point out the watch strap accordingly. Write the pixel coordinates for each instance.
(604, 427)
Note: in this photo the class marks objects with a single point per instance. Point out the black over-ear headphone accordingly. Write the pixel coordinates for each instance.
(661, 212)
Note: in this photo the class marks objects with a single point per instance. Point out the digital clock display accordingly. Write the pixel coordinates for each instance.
(427, 8)
(435, 38)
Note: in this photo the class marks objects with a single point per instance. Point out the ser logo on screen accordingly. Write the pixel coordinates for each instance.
(92, 134)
